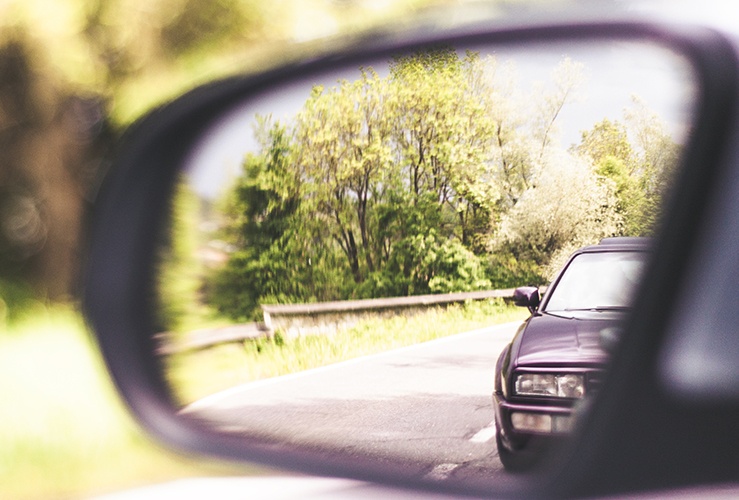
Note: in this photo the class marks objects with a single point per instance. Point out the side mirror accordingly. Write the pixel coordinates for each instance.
(174, 168)
(527, 296)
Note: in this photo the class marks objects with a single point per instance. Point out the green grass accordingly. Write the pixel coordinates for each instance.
(197, 374)
(63, 431)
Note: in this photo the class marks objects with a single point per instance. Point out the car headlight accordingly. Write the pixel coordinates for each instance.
(566, 385)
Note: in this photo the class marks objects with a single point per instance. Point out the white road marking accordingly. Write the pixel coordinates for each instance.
(485, 434)
(441, 472)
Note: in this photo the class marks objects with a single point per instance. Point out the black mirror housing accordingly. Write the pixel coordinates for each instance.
(527, 296)
(119, 283)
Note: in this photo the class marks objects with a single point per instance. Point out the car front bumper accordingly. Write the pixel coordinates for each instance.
(521, 424)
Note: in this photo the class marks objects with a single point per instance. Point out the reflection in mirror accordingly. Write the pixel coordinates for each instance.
(383, 206)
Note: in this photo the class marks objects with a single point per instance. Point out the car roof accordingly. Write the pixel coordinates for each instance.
(619, 243)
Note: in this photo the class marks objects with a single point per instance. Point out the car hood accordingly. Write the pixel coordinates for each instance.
(567, 337)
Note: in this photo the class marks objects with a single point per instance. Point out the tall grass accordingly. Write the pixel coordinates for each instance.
(200, 373)
(63, 431)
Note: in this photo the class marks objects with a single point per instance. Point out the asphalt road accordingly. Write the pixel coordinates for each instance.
(426, 406)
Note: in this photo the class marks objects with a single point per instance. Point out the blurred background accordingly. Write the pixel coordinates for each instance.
(73, 75)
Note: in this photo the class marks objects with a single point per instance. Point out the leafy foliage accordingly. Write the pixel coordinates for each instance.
(274, 260)
(439, 177)
(568, 207)
(74, 73)
(639, 157)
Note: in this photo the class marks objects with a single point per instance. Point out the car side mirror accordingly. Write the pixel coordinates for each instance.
(174, 173)
(527, 296)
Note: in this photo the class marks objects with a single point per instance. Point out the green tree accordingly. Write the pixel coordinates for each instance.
(443, 133)
(267, 194)
(376, 149)
(442, 176)
(608, 146)
(607, 139)
(342, 138)
(383, 180)
(639, 157)
(426, 263)
(261, 212)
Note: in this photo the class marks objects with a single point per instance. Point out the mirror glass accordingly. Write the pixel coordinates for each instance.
(343, 249)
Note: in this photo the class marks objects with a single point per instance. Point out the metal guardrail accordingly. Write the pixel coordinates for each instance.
(386, 303)
(171, 343)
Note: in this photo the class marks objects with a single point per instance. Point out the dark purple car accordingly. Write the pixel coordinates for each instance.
(557, 356)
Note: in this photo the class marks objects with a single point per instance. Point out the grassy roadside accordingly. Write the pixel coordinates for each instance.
(196, 374)
(64, 432)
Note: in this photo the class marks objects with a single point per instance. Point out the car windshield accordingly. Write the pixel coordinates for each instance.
(598, 281)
